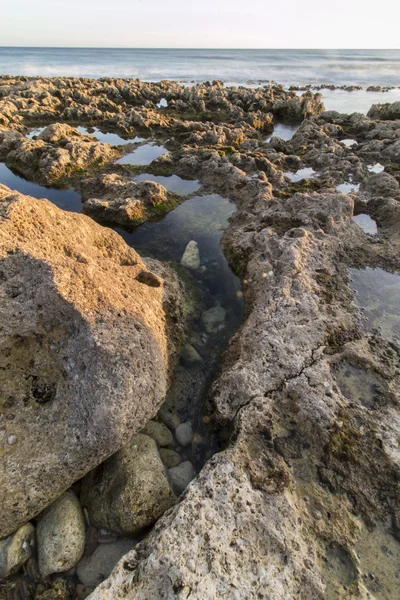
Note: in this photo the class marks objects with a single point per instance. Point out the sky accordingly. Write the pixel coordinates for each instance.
(205, 24)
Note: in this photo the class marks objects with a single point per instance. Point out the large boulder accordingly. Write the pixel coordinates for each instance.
(85, 347)
(130, 491)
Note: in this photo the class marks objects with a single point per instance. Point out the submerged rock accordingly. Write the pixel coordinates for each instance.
(86, 349)
(92, 570)
(191, 256)
(169, 457)
(61, 535)
(16, 549)
(159, 433)
(130, 491)
(213, 319)
(184, 433)
(181, 476)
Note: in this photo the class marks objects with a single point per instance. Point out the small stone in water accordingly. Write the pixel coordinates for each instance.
(213, 318)
(12, 439)
(190, 355)
(184, 433)
(170, 458)
(191, 256)
(181, 476)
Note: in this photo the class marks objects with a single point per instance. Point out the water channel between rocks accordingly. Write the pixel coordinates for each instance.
(378, 294)
(201, 219)
(66, 199)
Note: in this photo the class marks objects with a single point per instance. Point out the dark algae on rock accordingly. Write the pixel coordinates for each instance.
(216, 437)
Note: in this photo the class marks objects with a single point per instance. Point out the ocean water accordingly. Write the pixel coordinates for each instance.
(297, 67)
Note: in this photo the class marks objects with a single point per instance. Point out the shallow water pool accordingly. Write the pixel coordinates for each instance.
(306, 173)
(173, 183)
(143, 155)
(105, 137)
(201, 219)
(376, 168)
(66, 199)
(283, 130)
(348, 188)
(378, 293)
(366, 223)
(349, 143)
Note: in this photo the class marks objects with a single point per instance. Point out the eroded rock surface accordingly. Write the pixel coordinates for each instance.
(302, 500)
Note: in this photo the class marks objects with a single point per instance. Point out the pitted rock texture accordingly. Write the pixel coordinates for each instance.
(304, 497)
(86, 348)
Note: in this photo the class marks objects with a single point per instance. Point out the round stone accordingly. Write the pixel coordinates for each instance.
(184, 433)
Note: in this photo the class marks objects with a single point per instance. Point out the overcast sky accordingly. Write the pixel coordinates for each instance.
(205, 24)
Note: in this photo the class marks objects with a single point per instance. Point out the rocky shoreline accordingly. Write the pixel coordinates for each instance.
(98, 442)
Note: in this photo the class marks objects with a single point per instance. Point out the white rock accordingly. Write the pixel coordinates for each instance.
(191, 256)
(61, 535)
(181, 476)
(184, 433)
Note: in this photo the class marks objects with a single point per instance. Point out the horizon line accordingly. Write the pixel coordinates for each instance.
(191, 48)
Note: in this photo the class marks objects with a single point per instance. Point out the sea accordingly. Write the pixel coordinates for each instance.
(234, 67)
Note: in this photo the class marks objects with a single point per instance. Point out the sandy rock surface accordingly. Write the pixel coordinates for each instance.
(88, 344)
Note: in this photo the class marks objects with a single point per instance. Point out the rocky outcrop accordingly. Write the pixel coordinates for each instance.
(87, 348)
(302, 501)
(118, 200)
(385, 112)
(58, 153)
(302, 498)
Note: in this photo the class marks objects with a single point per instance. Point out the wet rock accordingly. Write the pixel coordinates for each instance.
(184, 434)
(385, 111)
(87, 346)
(83, 591)
(181, 476)
(191, 256)
(213, 319)
(130, 491)
(92, 570)
(16, 549)
(61, 535)
(169, 457)
(57, 589)
(190, 356)
(159, 433)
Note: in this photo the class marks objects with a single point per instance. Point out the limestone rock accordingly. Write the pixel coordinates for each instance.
(130, 491)
(16, 549)
(93, 569)
(87, 345)
(191, 256)
(61, 535)
(120, 201)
